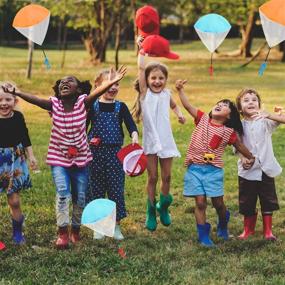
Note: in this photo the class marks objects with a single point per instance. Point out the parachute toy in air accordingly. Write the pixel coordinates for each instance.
(100, 216)
(272, 15)
(32, 21)
(212, 30)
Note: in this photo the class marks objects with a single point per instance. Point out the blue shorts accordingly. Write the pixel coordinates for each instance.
(205, 180)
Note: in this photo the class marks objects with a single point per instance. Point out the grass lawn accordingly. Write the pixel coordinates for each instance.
(169, 255)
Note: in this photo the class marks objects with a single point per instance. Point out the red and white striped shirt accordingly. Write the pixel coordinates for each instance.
(208, 138)
(68, 130)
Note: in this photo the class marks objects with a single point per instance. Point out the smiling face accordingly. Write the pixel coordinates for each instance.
(221, 111)
(156, 80)
(249, 104)
(7, 104)
(68, 86)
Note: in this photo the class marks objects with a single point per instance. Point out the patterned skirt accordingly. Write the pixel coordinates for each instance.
(14, 171)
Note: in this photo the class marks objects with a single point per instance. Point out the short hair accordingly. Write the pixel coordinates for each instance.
(247, 91)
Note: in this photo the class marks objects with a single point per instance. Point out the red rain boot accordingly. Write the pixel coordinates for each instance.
(62, 238)
(74, 236)
(249, 226)
(267, 228)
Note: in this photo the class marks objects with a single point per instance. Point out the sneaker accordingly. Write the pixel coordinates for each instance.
(117, 234)
(98, 236)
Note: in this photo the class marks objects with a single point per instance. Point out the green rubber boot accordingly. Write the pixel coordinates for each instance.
(162, 208)
(150, 222)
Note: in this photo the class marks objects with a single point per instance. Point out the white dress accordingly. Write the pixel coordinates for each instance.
(157, 133)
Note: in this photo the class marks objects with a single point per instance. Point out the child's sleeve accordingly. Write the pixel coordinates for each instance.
(25, 138)
(271, 125)
(199, 116)
(233, 138)
(128, 119)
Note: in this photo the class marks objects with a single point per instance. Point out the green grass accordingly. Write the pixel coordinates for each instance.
(169, 255)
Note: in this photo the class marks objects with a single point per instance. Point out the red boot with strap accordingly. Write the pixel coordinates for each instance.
(62, 238)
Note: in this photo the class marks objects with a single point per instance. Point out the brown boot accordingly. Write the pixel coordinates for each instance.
(62, 238)
(74, 236)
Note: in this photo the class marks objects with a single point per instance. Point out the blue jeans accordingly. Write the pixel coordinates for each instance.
(70, 183)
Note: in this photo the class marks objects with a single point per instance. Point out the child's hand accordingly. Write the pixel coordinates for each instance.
(8, 88)
(247, 163)
(33, 162)
(115, 76)
(179, 84)
(135, 137)
(181, 119)
(262, 114)
(278, 110)
(140, 40)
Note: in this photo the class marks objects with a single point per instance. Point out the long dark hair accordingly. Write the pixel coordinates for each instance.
(234, 121)
(136, 109)
(84, 87)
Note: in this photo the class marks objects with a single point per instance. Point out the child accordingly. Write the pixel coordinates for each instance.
(68, 152)
(204, 175)
(106, 137)
(153, 104)
(257, 181)
(15, 144)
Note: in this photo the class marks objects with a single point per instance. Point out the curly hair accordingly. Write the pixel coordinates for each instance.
(84, 86)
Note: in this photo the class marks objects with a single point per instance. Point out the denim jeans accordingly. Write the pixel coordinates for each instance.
(70, 183)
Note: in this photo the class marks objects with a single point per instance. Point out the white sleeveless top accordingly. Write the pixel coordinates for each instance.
(157, 133)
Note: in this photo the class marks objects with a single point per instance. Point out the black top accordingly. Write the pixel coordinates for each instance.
(124, 115)
(14, 131)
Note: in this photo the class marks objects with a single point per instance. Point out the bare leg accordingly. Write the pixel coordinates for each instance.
(152, 171)
(200, 209)
(165, 165)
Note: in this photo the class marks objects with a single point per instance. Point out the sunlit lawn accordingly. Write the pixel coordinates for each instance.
(169, 255)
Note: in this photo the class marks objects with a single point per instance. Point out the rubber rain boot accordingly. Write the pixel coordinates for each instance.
(162, 208)
(267, 228)
(204, 235)
(18, 236)
(249, 223)
(150, 222)
(222, 230)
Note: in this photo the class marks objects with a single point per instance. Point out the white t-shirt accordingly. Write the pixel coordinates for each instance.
(257, 138)
(157, 134)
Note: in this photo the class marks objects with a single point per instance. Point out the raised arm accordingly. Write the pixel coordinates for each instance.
(175, 108)
(179, 85)
(141, 68)
(277, 117)
(42, 103)
(114, 77)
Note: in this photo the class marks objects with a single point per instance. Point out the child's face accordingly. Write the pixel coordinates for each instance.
(156, 80)
(68, 86)
(249, 104)
(7, 104)
(112, 92)
(221, 110)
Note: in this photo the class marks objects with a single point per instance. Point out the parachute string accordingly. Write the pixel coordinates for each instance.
(264, 64)
(46, 61)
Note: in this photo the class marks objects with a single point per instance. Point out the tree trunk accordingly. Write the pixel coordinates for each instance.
(64, 45)
(283, 56)
(247, 36)
(134, 8)
(30, 59)
(117, 43)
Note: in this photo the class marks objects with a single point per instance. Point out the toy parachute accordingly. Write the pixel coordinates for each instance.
(32, 21)
(100, 216)
(272, 16)
(212, 30)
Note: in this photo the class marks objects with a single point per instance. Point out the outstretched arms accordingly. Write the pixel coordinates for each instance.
(42, 103)
(177, 111)
(180, 88)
